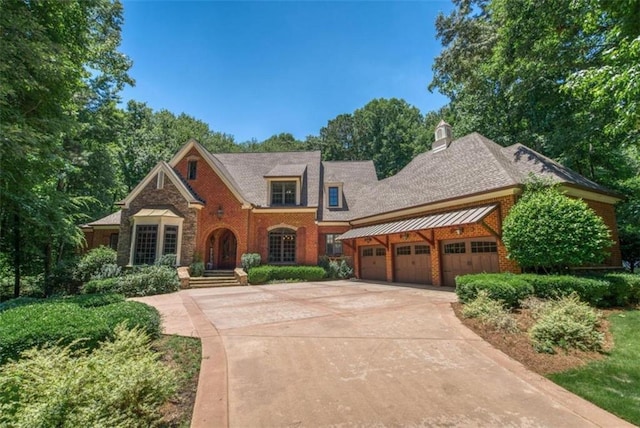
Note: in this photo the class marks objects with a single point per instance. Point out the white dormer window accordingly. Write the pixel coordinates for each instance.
(333, 195)
(160, 180)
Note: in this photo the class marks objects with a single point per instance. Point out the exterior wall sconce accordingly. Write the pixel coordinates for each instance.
(405, 236)
(367, 239)
(459, 230)
(220, 212)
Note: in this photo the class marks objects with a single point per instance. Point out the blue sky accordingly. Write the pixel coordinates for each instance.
(254, 69)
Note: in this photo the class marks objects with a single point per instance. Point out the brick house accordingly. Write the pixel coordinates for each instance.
(439, 217)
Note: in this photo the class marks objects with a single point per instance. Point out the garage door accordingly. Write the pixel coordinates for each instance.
(412, 263)
(461, 257)
(372, 263)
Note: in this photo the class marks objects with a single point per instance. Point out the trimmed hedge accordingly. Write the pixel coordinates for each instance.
(146, 281)
(80, 321)
(612, 289)
(266, 273)
(508, 288)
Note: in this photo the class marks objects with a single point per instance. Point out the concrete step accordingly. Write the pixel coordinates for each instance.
(217, 273)
(217, 281)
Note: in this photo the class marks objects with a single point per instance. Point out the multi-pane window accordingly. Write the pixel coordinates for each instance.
(454, 248)
(192, 169)
(367, 252)
(283, 193)
(334, 196)
(380, 252)
(422, 249)
(113, 241)
(170, 240)
(333, 246)
(282, 246)
(403, 251)
(484, 247)
(146, 239)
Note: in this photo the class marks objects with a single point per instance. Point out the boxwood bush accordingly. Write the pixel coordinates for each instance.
(508, 288)
(80, 321)
(590, 290)
(266, 273)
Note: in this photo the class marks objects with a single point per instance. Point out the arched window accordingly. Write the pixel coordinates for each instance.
(282, 246)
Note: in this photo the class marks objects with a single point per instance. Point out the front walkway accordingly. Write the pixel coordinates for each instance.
(356, 354)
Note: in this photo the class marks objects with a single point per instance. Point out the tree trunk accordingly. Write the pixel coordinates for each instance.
(47, 269)
(16, 255)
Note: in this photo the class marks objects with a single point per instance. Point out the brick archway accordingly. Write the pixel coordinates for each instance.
(221, 249)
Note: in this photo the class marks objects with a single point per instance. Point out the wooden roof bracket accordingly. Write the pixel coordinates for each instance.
(386, 244)
(348, 243)
(431, 241)
(490, 230)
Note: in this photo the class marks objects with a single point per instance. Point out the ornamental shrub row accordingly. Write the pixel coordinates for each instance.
(145, 281)
(612, 289)
(266, 273)
(80, 321)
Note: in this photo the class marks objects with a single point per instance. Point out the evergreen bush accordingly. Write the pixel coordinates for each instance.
(250, 260)
(91, 263)
(266, 273)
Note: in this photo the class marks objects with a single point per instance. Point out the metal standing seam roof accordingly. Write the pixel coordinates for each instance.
(156, 212)
(453, 218)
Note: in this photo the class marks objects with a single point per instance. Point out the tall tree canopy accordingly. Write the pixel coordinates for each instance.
(59, 64)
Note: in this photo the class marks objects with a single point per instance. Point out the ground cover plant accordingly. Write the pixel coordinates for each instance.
(612, 383)
(121, 383)
(64, 321)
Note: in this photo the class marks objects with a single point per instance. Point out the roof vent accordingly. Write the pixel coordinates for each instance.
(444, 136)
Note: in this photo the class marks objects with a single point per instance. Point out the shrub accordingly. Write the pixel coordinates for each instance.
(624, 289)
(508, 288)
(265, 273)
(107, 285)
(490, 312)
(109, 270)
(20, 301)
(566, 323)
(168, 260)
(550, 230)
(148, 281)
(196, 269)
(121, 383)
(67, 320)
(91, 263)
(250, 260)
(591, 290)
(339, 269)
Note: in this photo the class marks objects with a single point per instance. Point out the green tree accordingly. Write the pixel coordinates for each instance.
(283, 142)
(546, 229)
(57, 61)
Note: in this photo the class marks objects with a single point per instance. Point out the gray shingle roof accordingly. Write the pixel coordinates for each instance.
(247, 172)
(293, 170)
(110, 220)
(355, 177)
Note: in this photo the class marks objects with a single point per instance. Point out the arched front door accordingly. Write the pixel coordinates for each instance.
(227, 247)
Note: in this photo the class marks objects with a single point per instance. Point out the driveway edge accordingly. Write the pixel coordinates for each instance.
(211, 406)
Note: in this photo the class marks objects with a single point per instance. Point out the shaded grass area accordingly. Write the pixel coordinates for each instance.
(183, 354)
(612, 383)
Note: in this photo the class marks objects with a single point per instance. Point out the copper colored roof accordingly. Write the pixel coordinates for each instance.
(453, 218)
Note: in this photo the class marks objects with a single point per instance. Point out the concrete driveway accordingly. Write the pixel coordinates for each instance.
(356, 354)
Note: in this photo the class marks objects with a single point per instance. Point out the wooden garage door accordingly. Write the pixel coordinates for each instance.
(462, 257)
(372, 263)
(412, 263)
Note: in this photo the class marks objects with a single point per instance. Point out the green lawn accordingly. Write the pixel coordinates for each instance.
(613, 383)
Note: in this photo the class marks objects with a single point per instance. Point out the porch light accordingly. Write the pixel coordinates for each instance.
(459, 230)
(405, 236)
(367, 239)
(220, 212)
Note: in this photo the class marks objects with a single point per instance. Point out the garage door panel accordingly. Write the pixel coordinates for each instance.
(412, 263)
(373, 265)
(468, 256)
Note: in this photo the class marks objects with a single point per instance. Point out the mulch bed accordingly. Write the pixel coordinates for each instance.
(518, 346)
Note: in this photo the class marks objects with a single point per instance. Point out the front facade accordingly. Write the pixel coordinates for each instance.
(441, 216)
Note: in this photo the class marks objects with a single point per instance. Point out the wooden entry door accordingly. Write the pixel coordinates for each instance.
(373, 263)
(227, 250)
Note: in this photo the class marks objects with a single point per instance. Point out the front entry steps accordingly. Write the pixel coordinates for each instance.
(214, 278)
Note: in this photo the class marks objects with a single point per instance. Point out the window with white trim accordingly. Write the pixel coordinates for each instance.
(154, 232)
(145, 248)
(333, 247)
(333, 195)
(170, 240)
(192, 169)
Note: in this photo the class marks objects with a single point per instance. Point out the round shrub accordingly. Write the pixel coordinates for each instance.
(250, 260)
(566, 323)
(550, 230)
(92, 262)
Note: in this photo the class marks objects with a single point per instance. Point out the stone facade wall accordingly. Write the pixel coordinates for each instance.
(167, 197)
